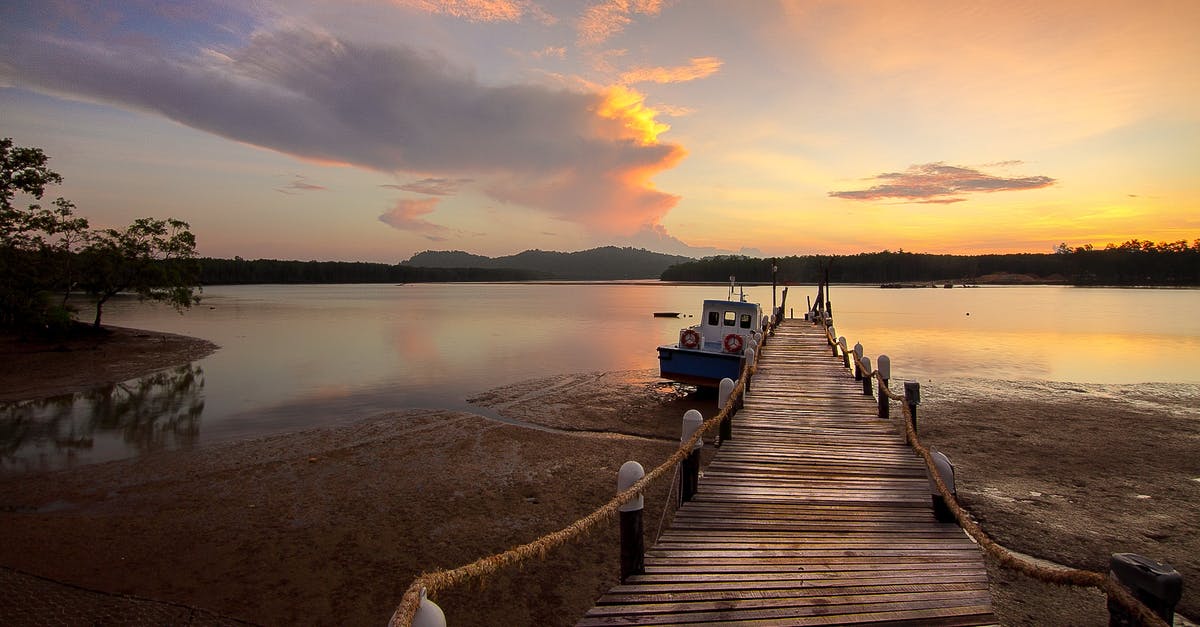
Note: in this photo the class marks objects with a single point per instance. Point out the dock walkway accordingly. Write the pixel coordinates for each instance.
(816, 512)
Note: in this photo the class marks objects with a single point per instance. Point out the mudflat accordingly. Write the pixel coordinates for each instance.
(329, 525)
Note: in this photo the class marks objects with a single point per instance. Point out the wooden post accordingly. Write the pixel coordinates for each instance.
(689, 468)
(866, 379)
(858, 352)
(845, 351)
(1157, 585)
(750, 353)
(633, 541)
(832, 342)
(885, 372)
(723, 393)
(912, 398)
(428, 614)
(946, 470)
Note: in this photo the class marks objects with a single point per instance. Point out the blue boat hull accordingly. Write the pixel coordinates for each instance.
(697, 367)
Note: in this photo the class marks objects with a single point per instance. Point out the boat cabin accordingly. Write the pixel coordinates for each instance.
(722, 317)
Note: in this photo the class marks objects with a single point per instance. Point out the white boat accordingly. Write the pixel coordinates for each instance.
(715, 348)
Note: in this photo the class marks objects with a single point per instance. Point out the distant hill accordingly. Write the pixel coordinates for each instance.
(597, 264)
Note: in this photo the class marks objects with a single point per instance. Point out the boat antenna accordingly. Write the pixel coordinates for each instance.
(731, 281)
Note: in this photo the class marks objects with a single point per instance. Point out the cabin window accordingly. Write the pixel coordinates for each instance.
(745, 322)
(730, 318)
(714, 318)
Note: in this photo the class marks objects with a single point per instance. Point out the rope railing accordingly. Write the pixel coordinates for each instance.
(1060, 575)
(428, 584)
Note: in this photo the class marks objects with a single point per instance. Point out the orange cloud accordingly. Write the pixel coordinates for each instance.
(602, 21)
(697, 68)
(479, 10)
(612, 193)
(628, 107)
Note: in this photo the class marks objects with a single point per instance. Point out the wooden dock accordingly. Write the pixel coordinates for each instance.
(815, 513)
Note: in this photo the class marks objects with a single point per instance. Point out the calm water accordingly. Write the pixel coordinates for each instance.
(301, 356)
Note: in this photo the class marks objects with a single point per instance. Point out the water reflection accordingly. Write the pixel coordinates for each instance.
(158, 411)
(296, 357)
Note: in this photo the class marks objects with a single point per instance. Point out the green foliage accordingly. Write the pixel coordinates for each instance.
(1134, 262)
(152, 258)
(597, 264)
(242, 271)
(36, 243)
(41, 249)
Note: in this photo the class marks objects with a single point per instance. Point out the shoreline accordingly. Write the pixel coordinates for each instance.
(82, 363)
(313, 525)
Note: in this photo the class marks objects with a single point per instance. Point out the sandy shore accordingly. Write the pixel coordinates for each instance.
(328, 526)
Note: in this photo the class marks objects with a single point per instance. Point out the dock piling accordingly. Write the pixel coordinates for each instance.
(633, 540)
(912, 398)
(723, 393)
(689, 468)
(946, 471)
(884, 368)
(858, 353)
(865, 377)
(1155, 584)
(845, 352)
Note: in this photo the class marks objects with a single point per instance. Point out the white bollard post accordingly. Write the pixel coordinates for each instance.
(724, 391)
(689, 471)
(946, 471)
(858, 352)
(428, 614)
(845, 351)
(633, 539)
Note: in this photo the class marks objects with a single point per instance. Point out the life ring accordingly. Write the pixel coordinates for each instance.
(733, 343)
(688, 338)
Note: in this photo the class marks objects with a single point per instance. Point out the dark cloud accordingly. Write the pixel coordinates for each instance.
(391, 109)
(938, 183)
(432, 186)
(300, 184)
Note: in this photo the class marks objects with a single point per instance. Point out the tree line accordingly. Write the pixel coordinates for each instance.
(1134, 262)
(47, 252)
(239, 271)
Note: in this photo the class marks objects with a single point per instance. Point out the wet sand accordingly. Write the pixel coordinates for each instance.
(328, 526)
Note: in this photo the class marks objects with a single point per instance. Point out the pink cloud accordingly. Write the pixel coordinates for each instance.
(607, 19)
(938, 183)
(408, 214)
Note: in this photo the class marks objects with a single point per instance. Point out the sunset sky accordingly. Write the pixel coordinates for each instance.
(375, 129)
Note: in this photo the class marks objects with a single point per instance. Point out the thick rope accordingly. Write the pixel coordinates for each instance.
(432, 582)
(1003, 556)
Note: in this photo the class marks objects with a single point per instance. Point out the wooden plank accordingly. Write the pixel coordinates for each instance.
(815, 513)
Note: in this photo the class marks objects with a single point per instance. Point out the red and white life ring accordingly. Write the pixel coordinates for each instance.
(733, 343)
(688, 338)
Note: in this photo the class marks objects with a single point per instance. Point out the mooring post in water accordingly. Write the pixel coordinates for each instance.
(428, 614)
(1157, 585)
(633, 542)
(866, 378)
(912, 398)
(845, 352)
(723, 393)
(946, 471)
(858, 353)
(689, 468)
(884, 368)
